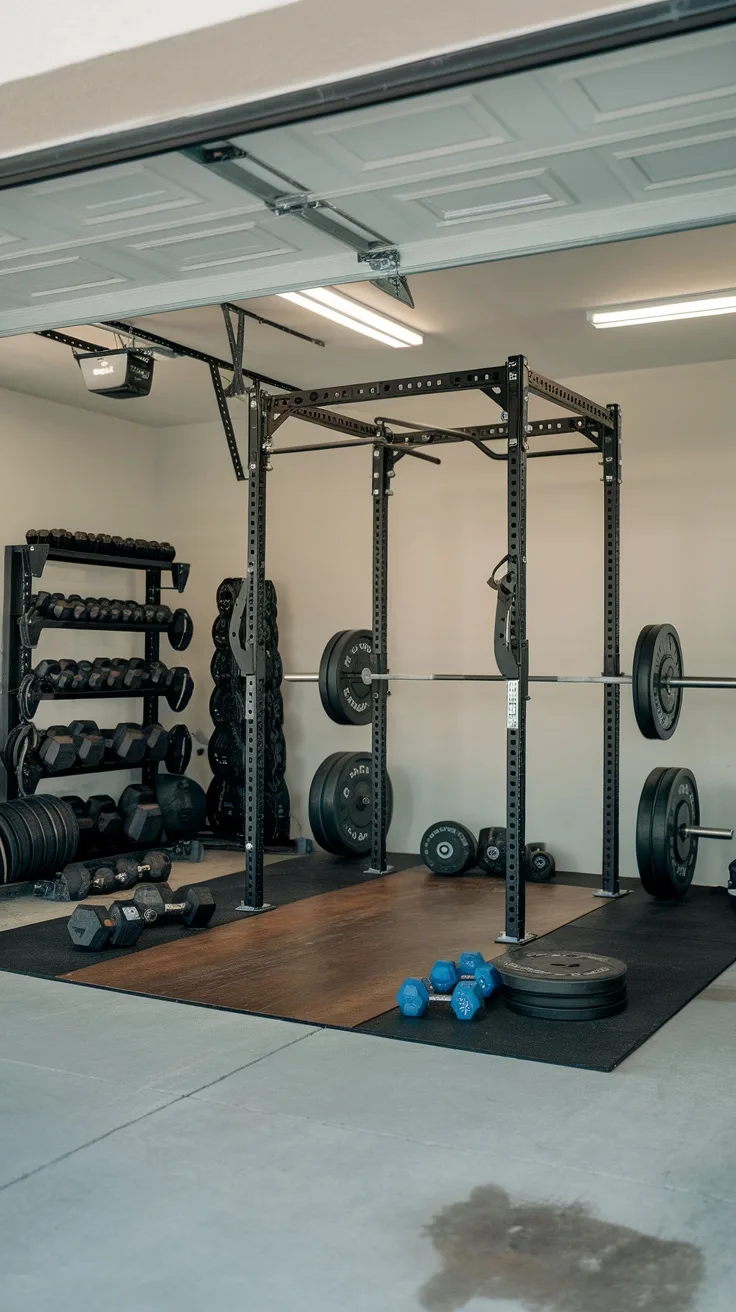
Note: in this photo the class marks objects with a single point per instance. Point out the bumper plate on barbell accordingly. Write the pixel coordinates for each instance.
(666, 857)
(346, 699)
(657, 658)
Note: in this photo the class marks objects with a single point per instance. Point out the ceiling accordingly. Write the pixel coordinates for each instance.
(626, 143)
(471, 316)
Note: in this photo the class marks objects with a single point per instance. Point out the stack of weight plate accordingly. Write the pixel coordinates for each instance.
(564, 985)
(226, 748)
(276, 800)
(38, 836)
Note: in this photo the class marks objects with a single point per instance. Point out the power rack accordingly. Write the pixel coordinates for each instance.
(23, 564)
(510, 387)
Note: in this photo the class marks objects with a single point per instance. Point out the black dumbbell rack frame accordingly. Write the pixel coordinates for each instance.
(23, 564)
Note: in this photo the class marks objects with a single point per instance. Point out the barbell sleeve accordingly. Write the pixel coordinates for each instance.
(706, 831)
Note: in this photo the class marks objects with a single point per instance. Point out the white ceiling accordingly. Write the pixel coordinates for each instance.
(622, 144)
(472, 316)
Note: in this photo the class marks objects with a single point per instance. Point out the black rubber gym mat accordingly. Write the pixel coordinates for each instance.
(672, 950)
(45, 948)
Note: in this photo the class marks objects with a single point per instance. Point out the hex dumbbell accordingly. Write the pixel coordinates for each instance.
(142, 819)
(415, 996)
(126, 742)
(57, 750)
(88, 742)
(445, 975)
(154, 866)
(92, 928)
(156, 903)
(106, 819)
(77, 881)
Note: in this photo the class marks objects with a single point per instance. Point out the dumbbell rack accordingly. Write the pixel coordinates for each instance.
(23, 564)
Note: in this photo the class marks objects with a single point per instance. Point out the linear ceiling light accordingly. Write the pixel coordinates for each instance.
(351, 314)
(700, 307)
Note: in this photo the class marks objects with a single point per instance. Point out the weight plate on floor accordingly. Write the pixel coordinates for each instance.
(668, 804)
(448, 848)
(533, 971)
(559, 1002)
(10, 854)
(571, 1013)
(657, 658)
(57, 828)
(540, 866)
(491, 855)
(39, 845)
(67, 834)
(23, 842)
(51, 833)
(345, 698)
(340, 805)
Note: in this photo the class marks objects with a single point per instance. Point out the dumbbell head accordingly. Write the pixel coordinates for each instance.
(142, 818)
(151, 900)
(67, 672)
(105, 816)
(136, 673)
(126, 741)
(180, 629)
(153, 866)
(443, 976)
(76, 880)
(414, 998)
(97, 677)
(157, 742)
(89, 743)
(47, 672)
(179, 751)
(57, 750)
(81, 811)
(199, 906)
(59, 607)
(92, 928)
(81, 678)
(179, 688)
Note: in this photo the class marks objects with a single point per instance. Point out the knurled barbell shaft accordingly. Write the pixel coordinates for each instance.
(705, 831)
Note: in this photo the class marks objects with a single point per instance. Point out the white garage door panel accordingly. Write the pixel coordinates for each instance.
(624, 144)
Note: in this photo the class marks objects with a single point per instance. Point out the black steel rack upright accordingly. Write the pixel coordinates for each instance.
(510, 387)
(23, 564)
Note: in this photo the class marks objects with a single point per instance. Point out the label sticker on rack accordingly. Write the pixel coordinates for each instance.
(512, 704)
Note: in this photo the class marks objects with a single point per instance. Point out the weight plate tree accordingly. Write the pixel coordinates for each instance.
(340, 803)
(509, 386)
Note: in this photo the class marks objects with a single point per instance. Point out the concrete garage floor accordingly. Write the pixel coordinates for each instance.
(168, 1158)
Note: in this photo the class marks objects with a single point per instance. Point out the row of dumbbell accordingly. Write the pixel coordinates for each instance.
(76, 609)
(105, 675)
(93, 928)
(78, 880)
(64, 540)
(464, 985)
(450, 848)
(83, 745)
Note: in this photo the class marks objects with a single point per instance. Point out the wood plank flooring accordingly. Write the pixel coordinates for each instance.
(338, 958)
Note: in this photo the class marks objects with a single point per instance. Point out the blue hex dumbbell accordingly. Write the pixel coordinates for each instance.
(415, 996)
(444, 975)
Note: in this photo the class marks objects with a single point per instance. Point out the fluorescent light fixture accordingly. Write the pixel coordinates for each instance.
(696, 307)
(351, 314)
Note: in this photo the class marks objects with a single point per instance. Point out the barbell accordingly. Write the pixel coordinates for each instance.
(657, 679)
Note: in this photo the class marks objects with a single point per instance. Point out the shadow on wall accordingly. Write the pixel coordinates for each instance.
(554, 1259)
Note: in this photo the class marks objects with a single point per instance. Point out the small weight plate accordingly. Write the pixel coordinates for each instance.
(448, 848)
(657, 658)
(567, 973)
(491, 855)
(611, 1008)
(346, 699)
(221, 633)
(540, 866)
(673, 853)
(227, 595)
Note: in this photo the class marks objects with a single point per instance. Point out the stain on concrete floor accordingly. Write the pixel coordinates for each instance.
(554, 1259)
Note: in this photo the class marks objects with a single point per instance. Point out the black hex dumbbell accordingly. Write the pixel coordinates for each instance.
(77, 881)
(126, 743)
(98, 675)
(68, 671)
(106, 819)
(89, 743)
(92, 928)
(47, 672)
(157, 742)
(154, 866)
(156, 903)
(142, 819)
(56, 750)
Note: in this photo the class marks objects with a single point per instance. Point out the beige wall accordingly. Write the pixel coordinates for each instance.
(67, 468)
(448, 530)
